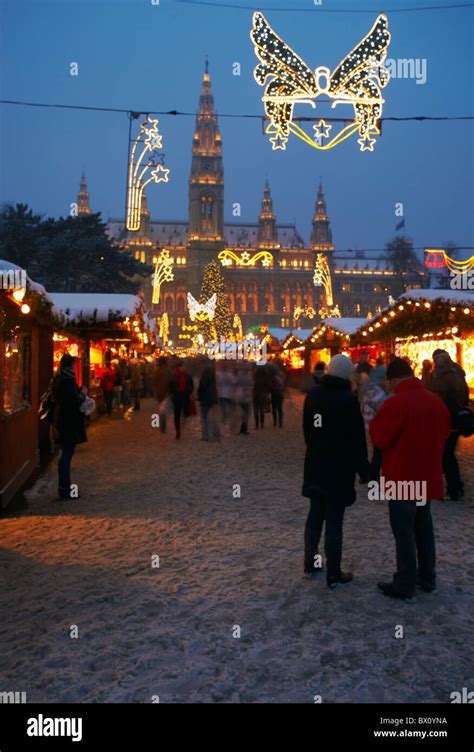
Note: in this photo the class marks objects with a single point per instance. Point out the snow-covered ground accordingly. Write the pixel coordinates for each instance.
(224, 562)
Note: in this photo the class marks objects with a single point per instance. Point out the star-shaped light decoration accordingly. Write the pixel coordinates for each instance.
(278, 141)
(160, 174)
(245, 256)
(366, 143)
(322, 129)
(266, 261)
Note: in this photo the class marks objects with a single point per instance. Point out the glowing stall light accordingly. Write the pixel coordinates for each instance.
(227, 257)
(204, 311)
(354, 81)
(144, 156)
(163, 273)
(438, 258)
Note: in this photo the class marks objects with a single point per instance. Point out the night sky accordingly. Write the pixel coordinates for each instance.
(139, 56)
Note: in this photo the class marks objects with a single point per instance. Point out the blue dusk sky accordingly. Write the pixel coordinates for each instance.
(143, 57)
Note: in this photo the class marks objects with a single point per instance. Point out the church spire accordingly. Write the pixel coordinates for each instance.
(321, 236)
(267, 230)
(206, 182)
(83, 198)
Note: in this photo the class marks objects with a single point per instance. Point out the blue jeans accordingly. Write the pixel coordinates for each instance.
(64, 469)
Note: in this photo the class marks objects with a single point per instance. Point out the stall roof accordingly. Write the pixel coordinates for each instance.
(451, 297)
(282, 334)
(6, 266)
(86, 306)
(346, 325)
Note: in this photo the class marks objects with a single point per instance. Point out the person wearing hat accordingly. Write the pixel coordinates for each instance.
(410, 429)
(448, 381)
(68, 420)
(336, 449)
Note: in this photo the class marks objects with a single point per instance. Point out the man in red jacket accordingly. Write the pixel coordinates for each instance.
(410, 429)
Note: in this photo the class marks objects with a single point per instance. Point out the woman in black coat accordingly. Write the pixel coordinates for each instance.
(68, 420)
(336, 450)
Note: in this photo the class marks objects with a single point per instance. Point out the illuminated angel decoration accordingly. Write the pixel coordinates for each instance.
(202, 311)
(355, 81)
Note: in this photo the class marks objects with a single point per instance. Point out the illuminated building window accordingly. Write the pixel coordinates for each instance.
(143, 257)
(283, 263)
(295, 263)
(346, 287)
(377, 288)
(137, 255)
(306, 263)
(357, 308)
(178, 260)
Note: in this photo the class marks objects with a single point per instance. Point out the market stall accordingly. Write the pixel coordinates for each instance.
(330, 337)
(422, 321)
(99, 328)
(27, 319)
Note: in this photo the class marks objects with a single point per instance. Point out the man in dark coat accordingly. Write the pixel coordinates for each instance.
(448, 381)
(336, 450)
(68, 420)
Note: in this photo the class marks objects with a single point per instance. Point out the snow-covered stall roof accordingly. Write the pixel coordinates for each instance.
(8, 266)
(451, 297)
(278, 333)
(92, 306)
(346, 324)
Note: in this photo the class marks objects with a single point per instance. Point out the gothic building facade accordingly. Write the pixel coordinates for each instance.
(267, 266)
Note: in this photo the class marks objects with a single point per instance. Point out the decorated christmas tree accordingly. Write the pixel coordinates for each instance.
(221, 324)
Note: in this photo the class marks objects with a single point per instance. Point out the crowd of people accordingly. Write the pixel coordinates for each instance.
(413, 426)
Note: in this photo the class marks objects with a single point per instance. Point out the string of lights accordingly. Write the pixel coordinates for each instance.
(321, 9)
(178, 113)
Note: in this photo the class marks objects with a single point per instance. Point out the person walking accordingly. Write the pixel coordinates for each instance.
(68, 421)
(410, 429)
(277, 385)
(208, 399)
(136, 383)
(107, 383)
(448, 381)
(336, 450)
(225, 387)
(181, 389)
(260, 394)
(162, 390)
(243, 396)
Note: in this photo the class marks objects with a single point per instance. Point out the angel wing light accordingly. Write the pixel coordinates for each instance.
(202, 311)
(289, 81)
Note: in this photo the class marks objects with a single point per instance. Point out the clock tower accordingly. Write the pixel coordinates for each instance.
(206, 182)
